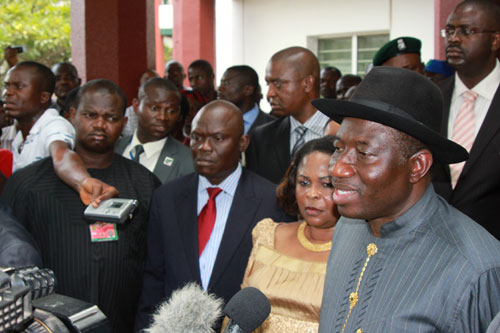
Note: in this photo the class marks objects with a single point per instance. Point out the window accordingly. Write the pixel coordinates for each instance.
(350, 54)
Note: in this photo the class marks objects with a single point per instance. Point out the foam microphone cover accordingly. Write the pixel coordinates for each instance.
(189, 309)
(248, 309)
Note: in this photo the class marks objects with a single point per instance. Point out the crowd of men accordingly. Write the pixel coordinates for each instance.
(203, 164)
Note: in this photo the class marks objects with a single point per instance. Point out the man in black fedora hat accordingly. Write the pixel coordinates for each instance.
(402, 258)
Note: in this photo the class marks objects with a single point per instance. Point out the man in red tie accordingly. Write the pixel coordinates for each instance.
(200, 224)
(471, 114)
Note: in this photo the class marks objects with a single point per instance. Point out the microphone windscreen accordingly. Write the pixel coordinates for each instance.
(189, 309)
(248, 308)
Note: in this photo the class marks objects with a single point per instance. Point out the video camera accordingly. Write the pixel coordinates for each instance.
(28, 304)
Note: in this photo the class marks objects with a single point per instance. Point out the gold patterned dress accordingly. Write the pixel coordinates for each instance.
(293, 286)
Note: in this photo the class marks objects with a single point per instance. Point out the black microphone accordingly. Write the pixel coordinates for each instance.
(189, 309)
(247, 310)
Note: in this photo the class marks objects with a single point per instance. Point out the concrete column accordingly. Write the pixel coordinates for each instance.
(113, 39)
(194, 31)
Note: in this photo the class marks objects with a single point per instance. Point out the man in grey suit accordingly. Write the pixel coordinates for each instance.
(402, 258)
(240, 86)
(158, 111)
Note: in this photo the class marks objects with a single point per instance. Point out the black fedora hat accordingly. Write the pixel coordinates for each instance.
(401, 99)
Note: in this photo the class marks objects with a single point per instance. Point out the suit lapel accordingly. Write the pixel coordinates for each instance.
(239, 220)
(489, 127)
(282, 140)
(447, 90)
(122, 144)
(187, 222)
(162, 170)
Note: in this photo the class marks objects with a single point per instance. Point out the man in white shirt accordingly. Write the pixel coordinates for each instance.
(471, 114)
(158, 110)
(41, 132)
(181, 248)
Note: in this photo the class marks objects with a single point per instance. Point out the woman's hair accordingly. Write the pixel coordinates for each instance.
(286, 189)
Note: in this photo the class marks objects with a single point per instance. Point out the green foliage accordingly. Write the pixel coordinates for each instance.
(43, 26)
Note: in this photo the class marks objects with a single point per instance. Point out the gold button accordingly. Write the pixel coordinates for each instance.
(359, 330)
(371, 249)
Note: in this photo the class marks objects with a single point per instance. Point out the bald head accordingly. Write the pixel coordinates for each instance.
(302, 60)
(292, 75)
(225, 112)
(175, 73)
(490, 8)
(217, 140)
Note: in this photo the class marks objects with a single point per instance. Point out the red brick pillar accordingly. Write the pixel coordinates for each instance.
(442, 9)
(113, 39)
(194, 31)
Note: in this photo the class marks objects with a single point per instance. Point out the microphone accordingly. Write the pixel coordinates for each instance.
(189, 309)
(247, 310)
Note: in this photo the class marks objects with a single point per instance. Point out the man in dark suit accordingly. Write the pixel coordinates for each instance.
(292, 75)
(472, 39)
(181, 248)
(158, 111)
(240, 86)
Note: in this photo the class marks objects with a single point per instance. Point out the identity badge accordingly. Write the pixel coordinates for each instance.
(168, 161)
(103, 232)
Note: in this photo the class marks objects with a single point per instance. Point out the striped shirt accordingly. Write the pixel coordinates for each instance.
(435, 270)
(223, 203)
(315, 126)
(486, 91)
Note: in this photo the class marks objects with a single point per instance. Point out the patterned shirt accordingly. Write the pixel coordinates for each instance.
(434, 270)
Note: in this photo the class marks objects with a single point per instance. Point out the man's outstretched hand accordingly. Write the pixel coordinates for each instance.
(92, 190)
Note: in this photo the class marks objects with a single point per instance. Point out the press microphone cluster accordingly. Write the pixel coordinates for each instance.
(190, 309)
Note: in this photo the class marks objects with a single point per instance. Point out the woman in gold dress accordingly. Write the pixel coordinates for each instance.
(288, 260)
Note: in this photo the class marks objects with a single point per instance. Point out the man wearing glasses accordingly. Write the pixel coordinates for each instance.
(471, 112)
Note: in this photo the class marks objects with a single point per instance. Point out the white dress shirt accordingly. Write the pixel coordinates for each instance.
(485, 90)
(152, 151)
(223, 204)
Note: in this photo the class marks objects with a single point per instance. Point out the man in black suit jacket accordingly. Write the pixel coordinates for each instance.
(292, 75)
(173, 260)
(158, 112)
(471, 47)
(240, 86)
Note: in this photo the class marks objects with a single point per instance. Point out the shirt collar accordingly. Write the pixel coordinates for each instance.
(315, 124)
(413, 217)
(486, 88)
(150, 148)
(250, 116)
(46, 114)
(228, 185)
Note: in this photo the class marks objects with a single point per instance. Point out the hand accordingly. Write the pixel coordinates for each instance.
(92, 190)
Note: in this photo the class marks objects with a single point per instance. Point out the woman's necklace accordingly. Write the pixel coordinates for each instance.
(307, 244)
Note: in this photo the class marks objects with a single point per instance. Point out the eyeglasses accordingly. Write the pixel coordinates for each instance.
(464, 31)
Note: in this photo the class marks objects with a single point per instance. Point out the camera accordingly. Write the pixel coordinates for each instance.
(112, 210)
(19, 48)
(28, 304)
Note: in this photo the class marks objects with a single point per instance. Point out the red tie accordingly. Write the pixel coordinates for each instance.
(206, 219)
